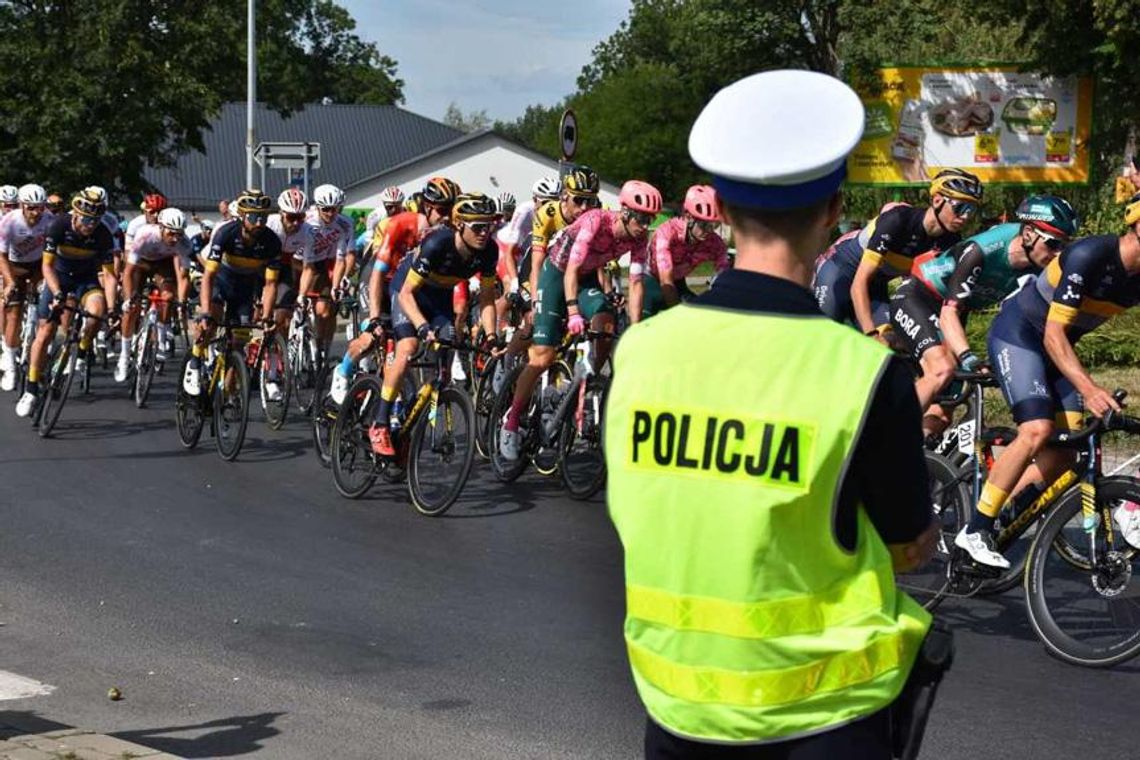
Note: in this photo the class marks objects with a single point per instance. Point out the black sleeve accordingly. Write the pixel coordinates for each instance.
(432, 251)
(891, 230)
(888, 468)
(1082, 268)
(969, 258)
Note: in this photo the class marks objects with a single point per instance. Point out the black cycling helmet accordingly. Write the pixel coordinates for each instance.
(440, 191)
(1050, 214)
(474, 207)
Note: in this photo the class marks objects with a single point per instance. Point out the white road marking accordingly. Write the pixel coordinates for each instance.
(13, 686)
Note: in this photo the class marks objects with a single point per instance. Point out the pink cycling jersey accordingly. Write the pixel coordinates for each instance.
(19, 242)
(149, 246)
(590, 244)
(672, 252)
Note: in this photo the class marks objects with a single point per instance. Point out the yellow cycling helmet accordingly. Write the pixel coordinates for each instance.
(253, 201)
(957, 185)
(581, 182)
(1132, 210)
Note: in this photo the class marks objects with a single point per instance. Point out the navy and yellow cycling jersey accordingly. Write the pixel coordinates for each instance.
(78, 255)
(892, 240)
(230, 252)
(439, 263)
(1082, 288)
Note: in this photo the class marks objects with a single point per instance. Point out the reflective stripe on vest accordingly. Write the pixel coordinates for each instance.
(746, 620)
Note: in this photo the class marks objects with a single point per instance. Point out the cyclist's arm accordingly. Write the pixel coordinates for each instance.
(182, 277)
(510, 268)
(861, 290)
(538, 242)
(6, 271)
(970, 260)
(407, 298)
(308, 274)
(110, 282)
(663, 257)
(47, 264)
(375, 288)
(636, 283)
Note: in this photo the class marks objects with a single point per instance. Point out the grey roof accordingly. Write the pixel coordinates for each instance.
(356, 142)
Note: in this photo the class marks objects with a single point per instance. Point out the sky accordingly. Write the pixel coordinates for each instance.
(498, 55)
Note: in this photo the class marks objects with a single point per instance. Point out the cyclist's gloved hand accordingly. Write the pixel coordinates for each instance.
(57, 300)
(576, 324)
(969, 361)
(516, 300)
(205, 320)
(424, 333)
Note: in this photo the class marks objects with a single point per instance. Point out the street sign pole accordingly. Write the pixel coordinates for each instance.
(250, 90)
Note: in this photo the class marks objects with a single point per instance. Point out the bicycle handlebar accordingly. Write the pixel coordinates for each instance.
(1113, 420)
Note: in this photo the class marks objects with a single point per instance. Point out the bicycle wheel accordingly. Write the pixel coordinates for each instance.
(442, 450)
(231, 407)
(581, 460)
(558, 382)
(483, 400)
(1086, 613)
(144, 371)
(324, 417)
(273, 365)
(306, 374)
(506, 470)
(58, 388)
(951, 500)
(188, 410)
(353, 463)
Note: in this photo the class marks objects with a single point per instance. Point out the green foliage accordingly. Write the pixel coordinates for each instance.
(1114, 344)
(469, 122)
(97, 90)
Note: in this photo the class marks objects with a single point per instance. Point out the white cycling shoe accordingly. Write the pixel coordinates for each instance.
(25, 405)
(272, 391)
(1129, 522)
(121, 368)
(509, 444)
(980, 547)
(191, 383)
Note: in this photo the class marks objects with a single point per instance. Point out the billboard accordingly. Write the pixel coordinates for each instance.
(1000, 123)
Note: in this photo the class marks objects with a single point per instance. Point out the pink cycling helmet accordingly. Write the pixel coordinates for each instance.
(700, 202)
(640, 196)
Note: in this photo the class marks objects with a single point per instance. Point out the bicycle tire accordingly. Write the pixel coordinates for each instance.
(504, 470)
(453, 406)
(1050, 560)
(592, 466)
(349, 448)
(306, 374)
(144, 370)
(951, 501)
(229, 441)
(546, 458)
(189, 416)
(58, 389)
(324, 417)
(274, 351)
(483, 400)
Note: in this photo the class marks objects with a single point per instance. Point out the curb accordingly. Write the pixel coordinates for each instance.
(70, 744)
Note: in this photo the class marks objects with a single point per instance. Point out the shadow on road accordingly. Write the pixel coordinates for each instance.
(24, 722)
(86, 430)
(227, 737)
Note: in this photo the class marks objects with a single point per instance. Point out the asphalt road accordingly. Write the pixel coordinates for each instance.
(245, 608)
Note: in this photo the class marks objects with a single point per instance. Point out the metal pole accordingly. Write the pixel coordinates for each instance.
(251, 90)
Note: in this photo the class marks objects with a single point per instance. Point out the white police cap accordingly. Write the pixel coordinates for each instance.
(778, 139)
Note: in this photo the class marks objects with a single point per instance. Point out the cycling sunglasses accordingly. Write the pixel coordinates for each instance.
(963, 209)
(640, 217)
(704, 225)
(255, 217)
(584, 200)
(479, 228)
(1052, 243)
(294, 217)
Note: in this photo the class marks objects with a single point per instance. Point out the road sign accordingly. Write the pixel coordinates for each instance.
(288, 155)
(568, 134)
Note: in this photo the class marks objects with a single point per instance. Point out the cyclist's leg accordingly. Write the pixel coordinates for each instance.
(832, 287)
(654, 299)
(326, 316)
(286, 299)
(91, 298)
(914, 323)
(596, 308)
(549, 319)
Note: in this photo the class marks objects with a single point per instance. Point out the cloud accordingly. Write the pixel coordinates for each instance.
(499, 56)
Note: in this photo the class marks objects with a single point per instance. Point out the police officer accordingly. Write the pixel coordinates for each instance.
(766, 481)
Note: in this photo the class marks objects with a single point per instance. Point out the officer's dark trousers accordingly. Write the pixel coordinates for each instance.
(866, 739)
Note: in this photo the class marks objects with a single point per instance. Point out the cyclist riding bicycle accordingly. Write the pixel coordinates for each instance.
(679, 246)
(568, 291)
(1031, 344)
(162, 252)
(423, 307)
(851, 286)
(239, 254)
(930, 308)
(22, 236)
(78, 248)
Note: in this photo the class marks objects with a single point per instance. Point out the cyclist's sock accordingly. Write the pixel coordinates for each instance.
(384, 408)
(9, 350)
(993, 499)
(32, 386)
(125, 346)
(513, 415)
(198, 351)
(347, 365)
(33, 376)
(84, 343)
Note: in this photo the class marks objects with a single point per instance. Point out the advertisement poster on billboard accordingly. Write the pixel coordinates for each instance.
(1005, 125)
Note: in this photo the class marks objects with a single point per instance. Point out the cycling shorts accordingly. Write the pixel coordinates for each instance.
(434, 303)
(78, 286)
(24, 277)
(1033, 387)
(832, 287)
(550, 304)
(236, 293)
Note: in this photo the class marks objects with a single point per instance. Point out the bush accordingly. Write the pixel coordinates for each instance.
(1113, 344)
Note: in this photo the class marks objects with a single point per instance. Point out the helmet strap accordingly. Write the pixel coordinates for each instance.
(938, 215)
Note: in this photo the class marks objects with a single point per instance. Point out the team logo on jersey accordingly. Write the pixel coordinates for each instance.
(1076, 279)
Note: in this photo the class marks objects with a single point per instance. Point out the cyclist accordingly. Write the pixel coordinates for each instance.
(56, 204)
(1031, 344)
(22, 236)
(391, 203)
(200, 242)
(162, 251)
(506, 203)
(579, 194)
(394, 238)
(929, 309)
(568, 289)
(240, 252)
(514, 238)
(77, 248)
(678, 246)
(425, 283)
(851, 286)
(9, 198)
(151, 205)
(333, 250)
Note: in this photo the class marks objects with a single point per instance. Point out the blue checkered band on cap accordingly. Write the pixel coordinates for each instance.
(778, 139)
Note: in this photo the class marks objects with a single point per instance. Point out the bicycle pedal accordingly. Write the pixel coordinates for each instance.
(963, 565)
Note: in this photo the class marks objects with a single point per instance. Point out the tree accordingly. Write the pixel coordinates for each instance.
(471, 122)
(87, 102)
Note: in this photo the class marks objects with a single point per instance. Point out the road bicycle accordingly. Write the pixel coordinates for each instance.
(307, 360)
(433, 435)
(145, 361)
(62, 363)
(223, 396)
(267, 356)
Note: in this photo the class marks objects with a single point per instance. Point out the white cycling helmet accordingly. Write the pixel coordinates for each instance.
(233, 209)
(547, 189)
(391, 195)
(505, 202)
(292, 201)
(9, 194)
(206, 225)
(328, 195)
(172, 219)
(33, 195)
